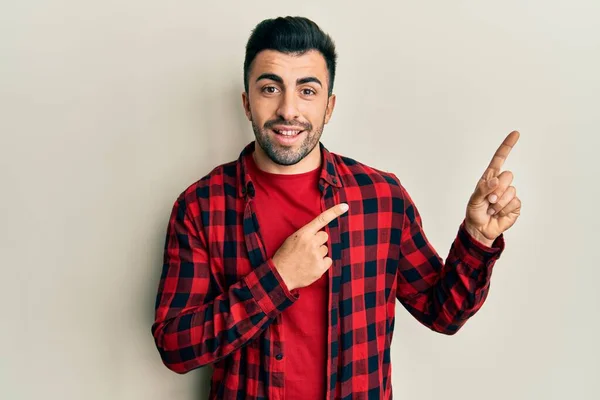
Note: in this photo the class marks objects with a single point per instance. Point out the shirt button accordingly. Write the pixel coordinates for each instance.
(279, 357)
(334, 181)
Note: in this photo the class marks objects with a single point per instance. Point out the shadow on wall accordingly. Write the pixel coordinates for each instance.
(225, 130)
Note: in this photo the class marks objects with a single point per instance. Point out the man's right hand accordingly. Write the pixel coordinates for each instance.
(302, 258)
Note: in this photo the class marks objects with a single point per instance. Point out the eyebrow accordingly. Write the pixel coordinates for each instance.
(299, 81)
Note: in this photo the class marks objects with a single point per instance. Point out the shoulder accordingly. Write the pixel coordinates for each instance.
(212, 187)
(220, 181)
(355, 174)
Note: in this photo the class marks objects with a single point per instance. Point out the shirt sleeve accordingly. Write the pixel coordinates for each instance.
(442, 296)
(196, 323)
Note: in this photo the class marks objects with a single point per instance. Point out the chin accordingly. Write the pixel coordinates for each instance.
(287, 160)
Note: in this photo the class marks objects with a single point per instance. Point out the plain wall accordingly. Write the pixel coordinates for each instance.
(109, 109)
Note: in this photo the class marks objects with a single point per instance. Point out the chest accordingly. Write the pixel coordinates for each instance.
(363, 243)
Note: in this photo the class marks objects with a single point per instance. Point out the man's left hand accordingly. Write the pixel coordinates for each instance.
(494, 206)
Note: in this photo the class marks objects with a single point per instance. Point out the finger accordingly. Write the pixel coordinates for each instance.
(507, 196)
(513, 207)
(326, 217)
(328, 261)
(505, 180)
(484, 188)
(501, 154)
(321, 237)
(323, 250)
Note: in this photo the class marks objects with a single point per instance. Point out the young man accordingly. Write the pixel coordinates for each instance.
(281, 269)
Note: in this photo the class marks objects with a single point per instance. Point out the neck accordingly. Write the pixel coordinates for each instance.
(309, 163)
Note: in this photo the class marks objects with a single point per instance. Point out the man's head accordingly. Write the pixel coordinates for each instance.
(289, 72)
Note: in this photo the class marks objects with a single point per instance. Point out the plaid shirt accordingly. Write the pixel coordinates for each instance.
(220, 299)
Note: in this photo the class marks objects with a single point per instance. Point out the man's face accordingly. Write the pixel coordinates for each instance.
(288, 103)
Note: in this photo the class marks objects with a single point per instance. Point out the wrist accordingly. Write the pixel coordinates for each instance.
(478, 236)
(288, 284)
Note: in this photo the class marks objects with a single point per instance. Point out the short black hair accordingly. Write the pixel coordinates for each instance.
(291, 35)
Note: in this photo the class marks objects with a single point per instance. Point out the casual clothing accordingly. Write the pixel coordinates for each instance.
(284, 204)
(221, 301)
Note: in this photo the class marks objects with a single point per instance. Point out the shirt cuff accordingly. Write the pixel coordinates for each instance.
(474, 253)
(269, 290)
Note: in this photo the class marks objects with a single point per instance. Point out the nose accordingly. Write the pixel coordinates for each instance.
(288, 108)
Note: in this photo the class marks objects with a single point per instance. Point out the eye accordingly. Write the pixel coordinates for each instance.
(308, 92)
(269, 89)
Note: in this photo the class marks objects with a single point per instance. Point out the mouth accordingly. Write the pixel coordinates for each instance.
(288, 132)
(287, 136)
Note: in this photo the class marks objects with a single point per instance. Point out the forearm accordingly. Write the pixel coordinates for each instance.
(453, 291)
(193, 336)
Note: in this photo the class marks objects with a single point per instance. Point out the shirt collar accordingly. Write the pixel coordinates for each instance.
(329, 173)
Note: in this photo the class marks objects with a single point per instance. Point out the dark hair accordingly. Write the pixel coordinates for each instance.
(291, 35)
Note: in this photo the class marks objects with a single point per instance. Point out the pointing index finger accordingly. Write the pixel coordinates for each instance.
(326, 217)
(501, 154)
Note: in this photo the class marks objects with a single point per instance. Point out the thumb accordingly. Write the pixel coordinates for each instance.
(484, 187)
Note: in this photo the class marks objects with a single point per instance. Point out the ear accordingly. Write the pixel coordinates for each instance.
(330, 107)
(246, 105)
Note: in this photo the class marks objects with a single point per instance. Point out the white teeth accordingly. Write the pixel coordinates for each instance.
(288, 133)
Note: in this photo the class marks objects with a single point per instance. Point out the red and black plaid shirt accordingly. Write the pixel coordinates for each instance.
(220, 299)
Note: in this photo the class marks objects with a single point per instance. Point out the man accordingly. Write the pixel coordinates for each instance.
(282, 268)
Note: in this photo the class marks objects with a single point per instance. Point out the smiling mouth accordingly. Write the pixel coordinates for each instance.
(289, 133)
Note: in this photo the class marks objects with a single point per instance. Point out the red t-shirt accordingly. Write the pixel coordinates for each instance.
(284, 204)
